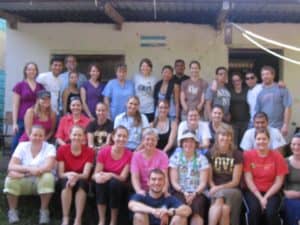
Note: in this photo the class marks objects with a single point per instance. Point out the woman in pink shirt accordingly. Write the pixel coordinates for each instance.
(24, 97)
(148, 158)
(111, 173)
(40, 114)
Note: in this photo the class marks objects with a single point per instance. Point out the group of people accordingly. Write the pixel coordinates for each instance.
(177, 143)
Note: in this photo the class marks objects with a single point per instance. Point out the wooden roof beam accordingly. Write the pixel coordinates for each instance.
(112, 13)
(223, 14)
(11, 19)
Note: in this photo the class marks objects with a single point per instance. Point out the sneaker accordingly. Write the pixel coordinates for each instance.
(44, 216)
(13, 216)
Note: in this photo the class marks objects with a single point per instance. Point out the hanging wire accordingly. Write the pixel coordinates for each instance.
(270, 51)
(277, 43)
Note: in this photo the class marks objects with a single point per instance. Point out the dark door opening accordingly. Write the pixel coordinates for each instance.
(107, 63)
(243, 60)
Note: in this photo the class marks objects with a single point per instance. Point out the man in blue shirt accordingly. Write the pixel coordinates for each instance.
(155, 208)
(276, 102)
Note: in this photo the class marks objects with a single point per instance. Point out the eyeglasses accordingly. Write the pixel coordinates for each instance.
(250, 78)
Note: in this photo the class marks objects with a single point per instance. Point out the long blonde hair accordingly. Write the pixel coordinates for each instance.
(224, 129)
(37, 109)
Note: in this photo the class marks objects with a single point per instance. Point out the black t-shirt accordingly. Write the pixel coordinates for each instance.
(223, 165)
(179, 79)
(239, 108)
(100, 132)
(162, 202)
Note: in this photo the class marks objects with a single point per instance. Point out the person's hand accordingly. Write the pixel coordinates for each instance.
(213, 190)
(214, 86)
(190, 198)
(281, 84)
(199, 107)
(164, 217)
(141, 192)
(103, 177)
(99, 178)
(156, 213)
(166, 193)
(72, 179)
(186, 196)
(284, 130)
(70, 174)
(15, 128)
(15, 175)
(34, 171)
(263, 202)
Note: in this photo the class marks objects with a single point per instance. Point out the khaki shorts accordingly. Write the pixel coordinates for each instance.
(30, 185)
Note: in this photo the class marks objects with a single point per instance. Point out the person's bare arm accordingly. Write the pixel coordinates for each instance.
(205, 143)
(177, 101)
(182, 210)
(14, 165)
(28, 120)
(251, 186)
(84, 104)
(203, 180)
(90, 139)
(136, 184)
(15, 111)
(201, 103)
(107, 102)
(136, 206)
(183, 102)
(286, 120)
(53, 126)
(207, 109)
(65, 96)
(172, 137)
(236, 177)
(174, 179)
(275, 187)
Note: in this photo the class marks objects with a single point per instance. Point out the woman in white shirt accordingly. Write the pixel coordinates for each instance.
(30, 172)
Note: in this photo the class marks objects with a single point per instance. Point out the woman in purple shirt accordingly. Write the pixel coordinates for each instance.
(24, 97)
(91, 91)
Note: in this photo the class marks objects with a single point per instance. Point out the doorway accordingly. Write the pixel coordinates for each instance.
(243, 60)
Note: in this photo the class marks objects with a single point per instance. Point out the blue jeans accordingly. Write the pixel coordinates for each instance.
(291, 211)
(15, 139)
(255, 212)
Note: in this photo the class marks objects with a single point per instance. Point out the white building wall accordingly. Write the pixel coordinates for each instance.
(36, 42)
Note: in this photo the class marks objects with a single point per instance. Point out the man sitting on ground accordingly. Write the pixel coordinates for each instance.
(155, 208)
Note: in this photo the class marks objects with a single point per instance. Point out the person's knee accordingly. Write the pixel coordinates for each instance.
(140, 218)
(114, 184)
(216, 205)
(226, 210)
(178, 220)
(46, 183)
(12, 186)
